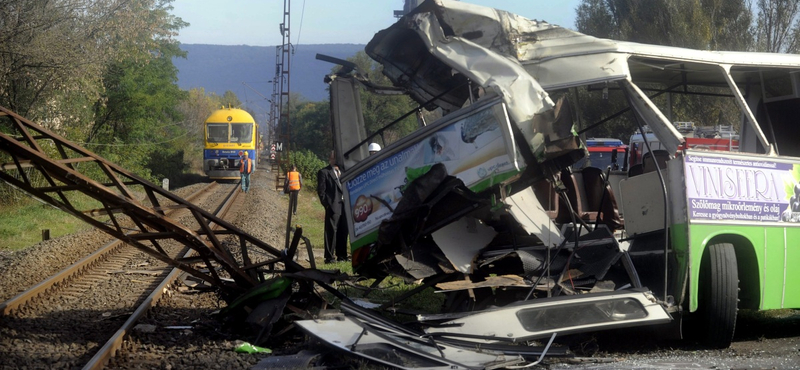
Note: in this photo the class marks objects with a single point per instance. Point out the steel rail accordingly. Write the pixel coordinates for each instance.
(109, 350)
(75, 269)
(68, 168)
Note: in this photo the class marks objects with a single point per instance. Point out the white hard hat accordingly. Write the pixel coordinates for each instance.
(374, 147)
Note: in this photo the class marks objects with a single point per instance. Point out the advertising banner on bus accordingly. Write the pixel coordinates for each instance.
(733, 188)
(472, 148)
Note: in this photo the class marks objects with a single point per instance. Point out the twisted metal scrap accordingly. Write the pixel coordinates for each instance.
(27, 149)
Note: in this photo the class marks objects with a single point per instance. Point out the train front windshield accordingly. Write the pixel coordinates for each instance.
(241, 132)
(217, 132)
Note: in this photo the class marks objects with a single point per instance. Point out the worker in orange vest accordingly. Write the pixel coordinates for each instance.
(245, 169)
(292, 185)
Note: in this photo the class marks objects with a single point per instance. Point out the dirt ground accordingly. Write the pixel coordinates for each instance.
(763, 340)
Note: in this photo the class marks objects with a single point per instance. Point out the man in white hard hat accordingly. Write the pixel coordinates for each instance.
(374, 148)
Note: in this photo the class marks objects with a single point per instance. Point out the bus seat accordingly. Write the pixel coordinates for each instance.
(662, 156)
(601, 203)
(547, 196)
(575, 196)
(635, 170)
(585, 190)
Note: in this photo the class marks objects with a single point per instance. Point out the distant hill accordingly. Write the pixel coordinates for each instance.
(219, 68)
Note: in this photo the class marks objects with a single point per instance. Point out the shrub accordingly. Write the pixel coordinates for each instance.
(307, 164)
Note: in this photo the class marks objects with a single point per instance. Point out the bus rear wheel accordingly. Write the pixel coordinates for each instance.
(718, 295)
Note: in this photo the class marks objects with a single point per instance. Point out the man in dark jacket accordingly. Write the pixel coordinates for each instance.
(329, 189)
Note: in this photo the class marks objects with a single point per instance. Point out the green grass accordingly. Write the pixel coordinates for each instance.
(21, 224)
(311, 216)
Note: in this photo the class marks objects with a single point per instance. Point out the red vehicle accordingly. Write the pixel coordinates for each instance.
(604, 153)
(638, 148)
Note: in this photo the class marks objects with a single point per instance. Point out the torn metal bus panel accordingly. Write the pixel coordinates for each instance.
(453, 198)
(422, 54)
(362, 332)
(531, 215)
(541, 318)
(516, 58)
(398, 350)
(462, 240)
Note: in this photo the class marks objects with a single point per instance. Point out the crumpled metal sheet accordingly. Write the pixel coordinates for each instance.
(443, 43)
(301, 360)
(424, 42)
(400, 350)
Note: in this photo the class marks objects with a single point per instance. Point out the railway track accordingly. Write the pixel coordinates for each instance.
(85, 310)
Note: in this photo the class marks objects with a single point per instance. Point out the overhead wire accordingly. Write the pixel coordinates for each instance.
(299, 30)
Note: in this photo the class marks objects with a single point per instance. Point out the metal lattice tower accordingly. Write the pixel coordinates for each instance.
(284, 122)
(274, 115)
(57, 171)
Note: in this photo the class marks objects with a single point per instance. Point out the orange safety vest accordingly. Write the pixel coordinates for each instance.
(249, 166)
(294, 180)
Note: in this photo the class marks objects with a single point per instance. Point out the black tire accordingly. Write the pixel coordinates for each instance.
(718, 295)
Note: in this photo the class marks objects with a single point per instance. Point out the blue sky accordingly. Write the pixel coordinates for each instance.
(256, 22)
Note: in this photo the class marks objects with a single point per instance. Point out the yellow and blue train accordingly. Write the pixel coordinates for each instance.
(229, 133)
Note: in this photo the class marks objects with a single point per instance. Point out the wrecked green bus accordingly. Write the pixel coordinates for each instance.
(482, 203)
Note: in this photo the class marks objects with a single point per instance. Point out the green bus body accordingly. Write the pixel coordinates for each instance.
(703, 229)
(765, 255)
(767, 251)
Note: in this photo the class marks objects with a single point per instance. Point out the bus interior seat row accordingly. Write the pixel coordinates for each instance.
(594, 200)
(588, 192)
(661, 156)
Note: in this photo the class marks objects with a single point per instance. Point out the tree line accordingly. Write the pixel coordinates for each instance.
(719, 25)
(100, 73)
(732, 25)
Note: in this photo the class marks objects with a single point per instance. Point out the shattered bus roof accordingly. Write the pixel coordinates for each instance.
(555, 57)
(444, 50)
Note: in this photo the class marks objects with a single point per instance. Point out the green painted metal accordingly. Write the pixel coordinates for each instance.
(777, 252)
(679, 238)
(747, 200)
